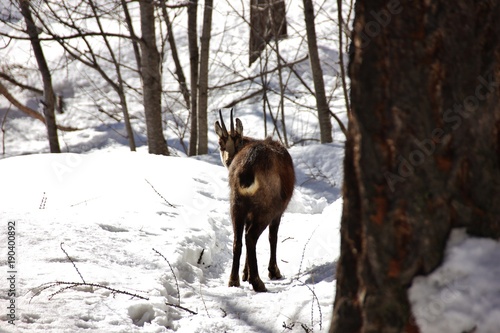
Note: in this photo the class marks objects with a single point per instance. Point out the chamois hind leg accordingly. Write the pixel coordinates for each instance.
(245, 270)
(238, 224)
(274, 272)
(252, 235)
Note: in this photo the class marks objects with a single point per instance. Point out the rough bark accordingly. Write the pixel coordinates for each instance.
(325, 126)
(422, 153)
(151, 77)
(203, 79)
(193, 62)
(49, 97)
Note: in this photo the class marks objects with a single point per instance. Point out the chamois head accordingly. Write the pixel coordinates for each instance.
(230, 143)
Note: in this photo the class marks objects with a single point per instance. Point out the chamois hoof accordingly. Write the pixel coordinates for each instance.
(234, 283)
(244, 277)
(259, 286)
(275, 275)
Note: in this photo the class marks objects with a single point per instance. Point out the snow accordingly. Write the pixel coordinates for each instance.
(158, 227)
(108, 211)
(463, 294)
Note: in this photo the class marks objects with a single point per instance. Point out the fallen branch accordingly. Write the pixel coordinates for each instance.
(29, 111)
(181, 307)
(71, 285)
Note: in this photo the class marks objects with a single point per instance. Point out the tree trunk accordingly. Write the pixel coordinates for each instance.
(193, 61)
(422, 152)
(203, 79)
(325, 126)
(48, 92)
(150, 68)
(267, 20)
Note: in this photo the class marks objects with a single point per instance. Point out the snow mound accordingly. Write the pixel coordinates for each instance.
(463, 294)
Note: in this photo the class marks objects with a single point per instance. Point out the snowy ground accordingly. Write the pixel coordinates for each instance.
(106, 212)
(108, 209)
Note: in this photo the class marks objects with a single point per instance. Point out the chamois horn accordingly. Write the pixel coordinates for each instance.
(224, 129)
(232, 122)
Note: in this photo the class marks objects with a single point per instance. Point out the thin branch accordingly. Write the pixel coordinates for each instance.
(74, 265)
(19, 84)
(173, 273)
(243, 98)
(159, 194)
(181, 307)
(254, 77)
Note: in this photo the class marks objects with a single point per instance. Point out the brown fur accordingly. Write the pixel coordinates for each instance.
(261, 179)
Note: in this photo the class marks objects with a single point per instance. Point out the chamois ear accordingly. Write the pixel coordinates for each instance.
(219, 130)
(239, 127)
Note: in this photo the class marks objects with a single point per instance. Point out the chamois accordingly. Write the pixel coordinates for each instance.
(261, 180)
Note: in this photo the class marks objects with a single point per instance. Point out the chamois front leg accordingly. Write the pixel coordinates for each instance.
(274, 272)
(234, 279)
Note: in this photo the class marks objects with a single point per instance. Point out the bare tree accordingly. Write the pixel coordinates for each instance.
(421, 152)
(193, 63)
(48, 91)
(325, 126)
(179, 72)
(86, 53)
(151, 76)
(203, 78)
(119, 86)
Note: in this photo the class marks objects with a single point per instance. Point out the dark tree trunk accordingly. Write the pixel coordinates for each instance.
(267, 20)
(49, 98)
(193, 61)
(325, 126)
(151, 80)
(422, 153)
(203, 79)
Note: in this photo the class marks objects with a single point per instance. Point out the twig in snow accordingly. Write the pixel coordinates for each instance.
(201, 256)
(159, 194)
(74, 265)
(204, 304)
(173, 273)
(43, 202)
(71, 285)
(304, 251)
(288, 327)
(181, 307)
(306, 329)
(315, 297)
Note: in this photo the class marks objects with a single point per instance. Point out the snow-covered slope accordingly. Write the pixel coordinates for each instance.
(108, 211)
